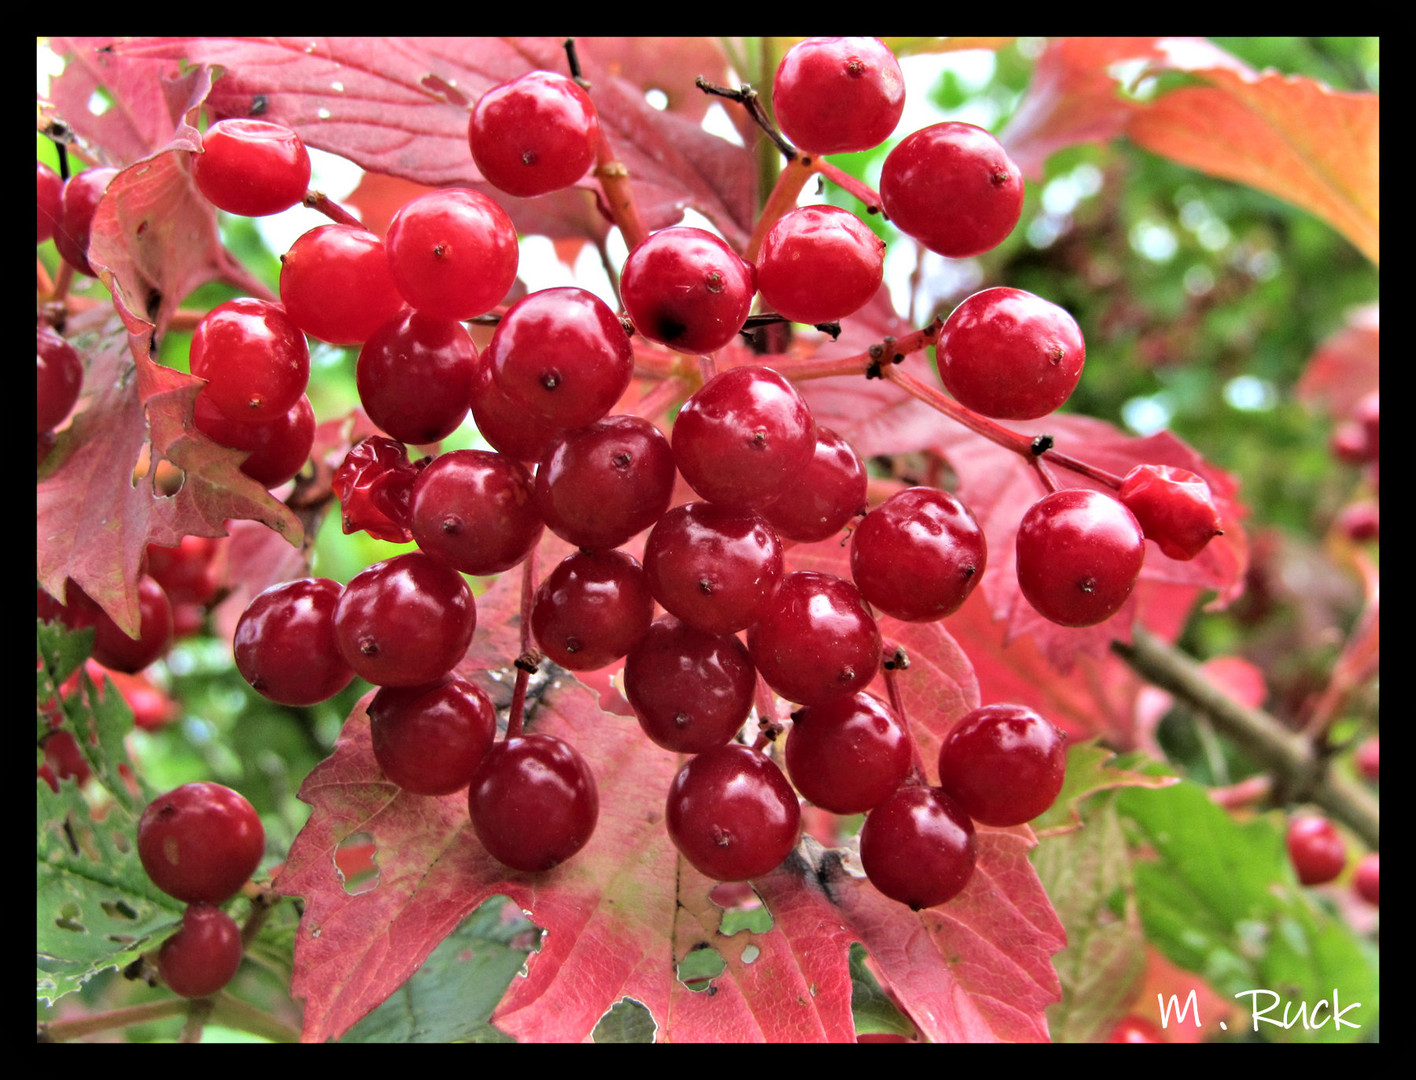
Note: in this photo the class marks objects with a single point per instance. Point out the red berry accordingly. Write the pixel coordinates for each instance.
(203, 955)
(690, 689)
(200, 842)
(918, 847)
(276, 449)
(592, 609)
(600, 485)
(1316, 849)
(744, 437)
(836, 95)
(685, 288)
(252, 167)
(712, 566)
(814, 640)
(1174, 508)
(732, 814)
(82, 193)
(453, 253)
(561, 355)
(1010, 355)
(918, 555)
(535, 134)
(819, 264)
(1079, 555)
(848, 755)
(429, 740)
(49, 201)
(1004, 764)
(375, 487)
(953, 188)
(336, 284)
(533, 802)
(414, 376)
(59, 377)
(255, 360)
(285, 643)
(475, 511)
(827, 494)
(405, 621)
(113, 648)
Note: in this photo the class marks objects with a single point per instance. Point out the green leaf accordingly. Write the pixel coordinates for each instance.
(1210, 903)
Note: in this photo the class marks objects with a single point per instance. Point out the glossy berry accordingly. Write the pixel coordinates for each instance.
(953, 188)
(49, 201)
(405, 621)
(336, 285)
(203, 955)
(414, 376)
(848, 755)
(561, 355)
(828, 492)
(819, 264)
(918, 555)
(475, 511)
(59, 377)
(685, 288)
(918, 847)
(535, 134)
(82, 193)
(505, 424)
(599, 485)
(713, 566)
(453, 253)
(533, 802)
(285, 643)
(1004, 764)
(1010, 355)
(592, 609)
(276, 450)
(255, 359)
(744, 437)
(429, 740)
(835, 95)
(1079, 554)
(814, 640)
(690, 690)
(114, 648)
(732, 814)
(200, 842)
(252, 167)
(1316, 849)
(1174, 507)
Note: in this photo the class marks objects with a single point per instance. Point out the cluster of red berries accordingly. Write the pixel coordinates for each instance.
(543, 393)
(200, 843)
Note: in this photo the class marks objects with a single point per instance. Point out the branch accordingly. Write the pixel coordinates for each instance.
(1293, 758)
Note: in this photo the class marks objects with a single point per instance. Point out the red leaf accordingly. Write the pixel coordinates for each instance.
(93, 520)
(1075, 93)
(1346, 366)
(400, 106)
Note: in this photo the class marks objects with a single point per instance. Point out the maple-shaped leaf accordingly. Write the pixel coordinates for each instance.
(98, 506)
(401, 106)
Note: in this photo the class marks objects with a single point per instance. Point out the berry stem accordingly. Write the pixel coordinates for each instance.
(613, 175)
(318, 200)
(524, 664)
(783, 197)
(892, 689)
(846, 182)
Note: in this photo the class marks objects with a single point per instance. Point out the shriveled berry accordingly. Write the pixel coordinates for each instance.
(1174, 506)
